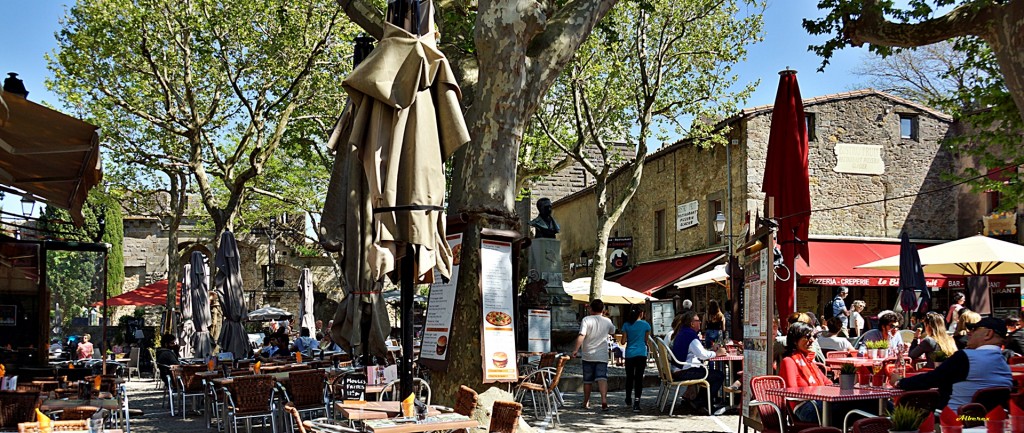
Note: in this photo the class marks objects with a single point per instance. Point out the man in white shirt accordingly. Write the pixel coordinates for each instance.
(593, 339)
(832, 340)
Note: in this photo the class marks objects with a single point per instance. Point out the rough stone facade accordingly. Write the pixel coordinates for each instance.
(844, 204)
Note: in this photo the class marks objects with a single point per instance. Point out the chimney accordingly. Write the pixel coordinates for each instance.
(14, 85)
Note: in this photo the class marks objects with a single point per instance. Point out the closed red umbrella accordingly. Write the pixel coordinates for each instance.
(786, 179)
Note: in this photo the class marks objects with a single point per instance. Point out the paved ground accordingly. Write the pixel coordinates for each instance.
(144, 395)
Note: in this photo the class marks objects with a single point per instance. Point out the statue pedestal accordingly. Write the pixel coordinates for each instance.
(545, 261)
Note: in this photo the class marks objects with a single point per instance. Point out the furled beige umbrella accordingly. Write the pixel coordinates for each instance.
(976, 255)
(611, 292)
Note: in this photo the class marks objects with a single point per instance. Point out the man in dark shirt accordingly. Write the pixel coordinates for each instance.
(167, 355)
(956, 380)
(1014, 343)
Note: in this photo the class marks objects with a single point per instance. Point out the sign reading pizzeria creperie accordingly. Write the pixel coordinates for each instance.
(440, 306)
(498, 332)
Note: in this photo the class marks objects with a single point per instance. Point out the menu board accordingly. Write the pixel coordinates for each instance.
(440, 307)
(807, 299)
(539, 332)
(498, 330)
(662, 314)
(757, 331)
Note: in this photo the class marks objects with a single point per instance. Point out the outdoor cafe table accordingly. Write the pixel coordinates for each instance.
(375, 410)
(728, 359)
(832, 394)
(856, 361)
(443, 422)
(63, 403)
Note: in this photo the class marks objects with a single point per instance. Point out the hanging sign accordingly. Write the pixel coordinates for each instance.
(440, 307)
(498, 330)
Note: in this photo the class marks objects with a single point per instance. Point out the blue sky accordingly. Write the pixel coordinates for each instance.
(29, 27)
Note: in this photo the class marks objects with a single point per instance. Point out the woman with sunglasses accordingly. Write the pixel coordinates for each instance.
(798, 368)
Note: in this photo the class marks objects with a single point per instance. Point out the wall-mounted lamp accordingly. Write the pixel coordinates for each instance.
(719, 223)
(28, 205)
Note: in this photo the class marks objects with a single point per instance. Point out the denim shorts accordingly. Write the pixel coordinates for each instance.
(594, 371)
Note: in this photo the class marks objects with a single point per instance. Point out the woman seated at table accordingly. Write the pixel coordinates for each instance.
(967, 318)
(934, 339)
(798, 368)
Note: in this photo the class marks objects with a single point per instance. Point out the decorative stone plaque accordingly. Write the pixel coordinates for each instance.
(859, 159)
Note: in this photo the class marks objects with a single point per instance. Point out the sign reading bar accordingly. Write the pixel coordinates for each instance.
(686, 215)
(539, 332)
(498, 330)
(859, 159)
(440, 306)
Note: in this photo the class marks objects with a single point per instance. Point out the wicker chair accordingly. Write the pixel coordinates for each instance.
(213, 400)
(307, 391)
(972, 414)
(77, 413)
(33, 427)
(544, 382)
(505, 417)
(188, 385)
(17, 407)
(466, 400)
(878, 424)
(251, 397)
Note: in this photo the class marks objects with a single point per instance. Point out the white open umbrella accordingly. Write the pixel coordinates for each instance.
(268, 313)
(611, 292)
(716, 275)
(976, 255)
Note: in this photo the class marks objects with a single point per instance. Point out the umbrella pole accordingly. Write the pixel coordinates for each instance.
(405, 365)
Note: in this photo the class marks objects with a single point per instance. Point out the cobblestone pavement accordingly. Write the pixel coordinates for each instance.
(145, 396)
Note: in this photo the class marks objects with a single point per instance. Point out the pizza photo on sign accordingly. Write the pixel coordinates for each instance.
(498, 318)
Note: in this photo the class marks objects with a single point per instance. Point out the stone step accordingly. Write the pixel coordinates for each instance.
(574, 382)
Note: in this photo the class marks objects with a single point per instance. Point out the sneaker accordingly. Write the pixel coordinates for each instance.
(629, 401)
(636, 406)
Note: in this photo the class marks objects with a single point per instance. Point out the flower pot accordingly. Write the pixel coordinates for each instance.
(846, 381)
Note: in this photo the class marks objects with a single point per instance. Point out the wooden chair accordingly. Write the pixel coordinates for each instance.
(666, 360)
(306, 391)
(878, 424)
(505, 417)
(17, 407)
(545, 383)
(251, 397)
(992, 397)
(33, 427)
(972, 414)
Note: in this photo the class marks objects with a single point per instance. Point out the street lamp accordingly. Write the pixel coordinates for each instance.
(719, 223)
(28, 205)
(583, 262)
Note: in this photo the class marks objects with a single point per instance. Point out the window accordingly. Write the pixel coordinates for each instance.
(809, 119)
(659, 230)
(908, 126)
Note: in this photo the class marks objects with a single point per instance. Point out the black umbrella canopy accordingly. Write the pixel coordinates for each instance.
(911, 275)
(228, 285)
(202, 345)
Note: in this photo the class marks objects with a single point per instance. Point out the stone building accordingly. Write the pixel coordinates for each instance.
(876, 167)
(145, 261)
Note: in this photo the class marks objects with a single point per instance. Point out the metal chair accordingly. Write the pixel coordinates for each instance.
(251, 397)
(666, 360)
(189, 385)
(420, 388)
(992, 397)
(505, 417)
(306, 391)
(545, 382)
(133, 362)
(774, 410)
(878, 424)
(925, 399)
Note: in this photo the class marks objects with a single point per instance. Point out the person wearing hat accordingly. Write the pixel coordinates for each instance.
(980, 365)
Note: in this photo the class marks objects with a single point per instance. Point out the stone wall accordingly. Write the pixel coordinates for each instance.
(682, 173)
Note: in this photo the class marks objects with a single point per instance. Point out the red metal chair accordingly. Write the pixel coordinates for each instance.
(774, 410)
(926, 400)
(992, 397)
(878, 424)
(972, 414)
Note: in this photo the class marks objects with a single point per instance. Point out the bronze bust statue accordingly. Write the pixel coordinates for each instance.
(544, 225)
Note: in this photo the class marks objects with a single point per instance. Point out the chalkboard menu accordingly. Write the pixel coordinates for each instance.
(353, 386)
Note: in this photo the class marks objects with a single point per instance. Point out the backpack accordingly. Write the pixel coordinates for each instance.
(830, 310)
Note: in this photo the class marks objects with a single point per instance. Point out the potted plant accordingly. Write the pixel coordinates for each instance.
(905, 419)
(847, 376)
(883, 347)
(872, 347)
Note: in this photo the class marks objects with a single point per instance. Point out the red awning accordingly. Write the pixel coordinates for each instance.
(834, 263)
(151, 294)
(648, 277)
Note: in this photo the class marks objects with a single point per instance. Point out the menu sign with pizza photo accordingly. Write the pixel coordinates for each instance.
(498, 335)
(440, 305)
